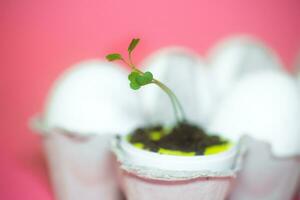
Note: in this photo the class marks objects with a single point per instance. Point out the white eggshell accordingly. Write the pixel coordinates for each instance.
(265, 106)
(233, 58)
(93, 97)
(187, 76)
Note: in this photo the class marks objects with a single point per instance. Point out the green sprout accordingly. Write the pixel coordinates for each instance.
(139, 78)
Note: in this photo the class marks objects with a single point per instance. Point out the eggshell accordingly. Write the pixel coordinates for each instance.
(266, 106)
(187, 76)
(233, 58)
(93, 97)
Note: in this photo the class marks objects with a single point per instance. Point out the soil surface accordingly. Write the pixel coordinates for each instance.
(182, 138)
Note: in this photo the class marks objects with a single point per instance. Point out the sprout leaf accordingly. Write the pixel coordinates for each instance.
(144, 79)
(113, 57)
(134, 42)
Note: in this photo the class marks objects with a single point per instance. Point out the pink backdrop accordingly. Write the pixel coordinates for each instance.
(39, 39)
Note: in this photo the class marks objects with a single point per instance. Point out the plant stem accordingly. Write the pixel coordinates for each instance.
(178, 110)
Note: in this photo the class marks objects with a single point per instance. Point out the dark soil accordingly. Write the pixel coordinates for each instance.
(184, 137)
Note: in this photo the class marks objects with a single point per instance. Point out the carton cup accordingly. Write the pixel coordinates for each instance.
(80, 166)
(265, 176)
(147, 175)
(210, 188)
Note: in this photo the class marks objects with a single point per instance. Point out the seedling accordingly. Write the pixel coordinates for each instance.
(184, 139)
(138, 79)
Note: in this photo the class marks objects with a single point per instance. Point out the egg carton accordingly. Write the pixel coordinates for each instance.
(139, 188)
(265, 176)
(239, 88)
(145, 175)
(80, 166)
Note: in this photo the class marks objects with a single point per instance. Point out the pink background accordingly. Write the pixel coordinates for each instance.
(39, 39)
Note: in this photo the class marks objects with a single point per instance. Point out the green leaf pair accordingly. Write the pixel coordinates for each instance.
(117, 56)
(137, 80)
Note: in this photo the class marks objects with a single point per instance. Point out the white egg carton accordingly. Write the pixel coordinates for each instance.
(146, 175)
(134, 159)
(265, 176)
(137, 188)
(240, 89)
(81, 166)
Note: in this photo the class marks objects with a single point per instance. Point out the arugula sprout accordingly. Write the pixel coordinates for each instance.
(139, 78)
